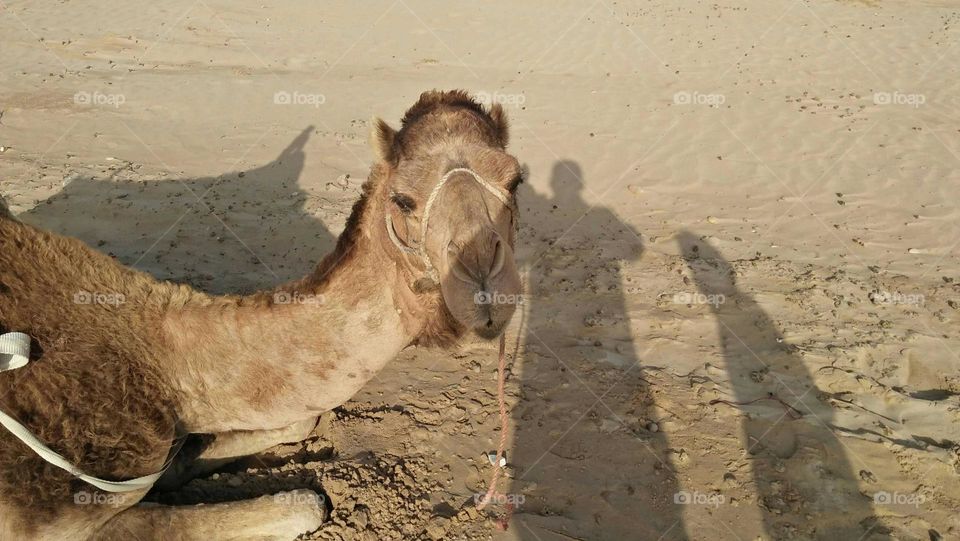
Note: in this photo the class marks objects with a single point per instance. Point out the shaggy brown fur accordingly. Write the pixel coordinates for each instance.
(91, 391)
(120, 360)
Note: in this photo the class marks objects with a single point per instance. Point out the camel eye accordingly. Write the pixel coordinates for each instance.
(405, 202)
(514, 182)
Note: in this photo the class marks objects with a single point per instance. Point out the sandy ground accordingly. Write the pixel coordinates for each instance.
(740, 244)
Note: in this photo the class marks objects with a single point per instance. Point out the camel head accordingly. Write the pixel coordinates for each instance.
(451, 213)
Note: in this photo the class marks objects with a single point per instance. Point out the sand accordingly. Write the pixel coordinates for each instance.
(740, 244)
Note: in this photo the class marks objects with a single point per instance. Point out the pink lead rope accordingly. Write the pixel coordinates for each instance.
(497, 468)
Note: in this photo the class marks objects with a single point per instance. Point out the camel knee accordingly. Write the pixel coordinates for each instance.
(233, 445)
(298, 431)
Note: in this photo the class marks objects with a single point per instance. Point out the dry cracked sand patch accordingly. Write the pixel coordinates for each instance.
(739, 236)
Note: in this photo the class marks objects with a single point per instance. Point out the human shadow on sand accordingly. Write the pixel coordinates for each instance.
(805, 479)
(585, 404)
(236, 232)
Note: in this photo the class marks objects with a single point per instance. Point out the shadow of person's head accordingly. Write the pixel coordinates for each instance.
(566, 182)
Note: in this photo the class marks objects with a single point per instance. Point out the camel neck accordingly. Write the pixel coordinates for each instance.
(278, 357)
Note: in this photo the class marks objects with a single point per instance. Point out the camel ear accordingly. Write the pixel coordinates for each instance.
(500, 123)
(382, 137)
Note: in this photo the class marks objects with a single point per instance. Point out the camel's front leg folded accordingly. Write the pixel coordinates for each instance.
(230, 446)
(283, 516)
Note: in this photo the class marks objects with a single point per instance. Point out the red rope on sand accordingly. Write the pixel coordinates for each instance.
(497, 468)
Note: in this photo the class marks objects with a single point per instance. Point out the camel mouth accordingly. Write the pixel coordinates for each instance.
(482, 301)
(492, 314)
(491, 330)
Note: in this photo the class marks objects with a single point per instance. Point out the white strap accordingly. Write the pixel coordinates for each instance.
(15, 353)
(14, 350)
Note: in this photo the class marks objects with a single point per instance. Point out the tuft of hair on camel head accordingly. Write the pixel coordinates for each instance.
(439, 115)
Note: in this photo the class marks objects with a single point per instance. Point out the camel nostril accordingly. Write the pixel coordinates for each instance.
(499, 256)
(457, 267)
(489, 323)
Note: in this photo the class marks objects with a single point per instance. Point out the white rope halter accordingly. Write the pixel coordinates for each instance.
(15, 353)
(421, 249)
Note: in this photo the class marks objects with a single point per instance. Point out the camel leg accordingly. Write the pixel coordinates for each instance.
(241, 443)
(281, 517)
(230, 446)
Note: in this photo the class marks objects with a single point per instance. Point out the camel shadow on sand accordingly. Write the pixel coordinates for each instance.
(233, 233)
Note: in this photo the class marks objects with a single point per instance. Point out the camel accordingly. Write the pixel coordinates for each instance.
(123, 366)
